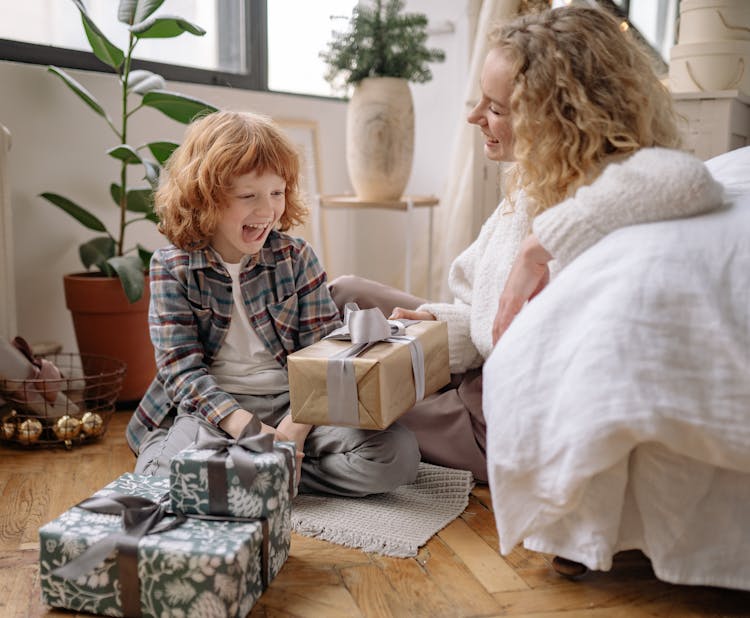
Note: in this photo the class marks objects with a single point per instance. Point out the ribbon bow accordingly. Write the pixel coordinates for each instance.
(140, 516)
(364, 328)
(240, 452)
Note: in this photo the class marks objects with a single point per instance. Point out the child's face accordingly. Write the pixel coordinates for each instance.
(254, 204)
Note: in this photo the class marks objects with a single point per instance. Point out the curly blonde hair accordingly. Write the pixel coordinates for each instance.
(217, 148)
(583, 91)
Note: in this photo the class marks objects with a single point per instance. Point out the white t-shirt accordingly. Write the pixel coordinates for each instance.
(244, 365)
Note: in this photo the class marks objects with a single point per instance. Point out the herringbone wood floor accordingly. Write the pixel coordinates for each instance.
(457, 574)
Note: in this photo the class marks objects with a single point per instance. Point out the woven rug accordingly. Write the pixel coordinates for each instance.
(394, 524)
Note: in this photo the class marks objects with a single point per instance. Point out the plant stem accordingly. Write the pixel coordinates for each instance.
(124, 135)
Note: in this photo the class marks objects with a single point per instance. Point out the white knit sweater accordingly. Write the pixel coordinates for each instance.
(653, 184)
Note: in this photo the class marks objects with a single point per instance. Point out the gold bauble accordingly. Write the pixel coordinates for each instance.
(67, 427)
(92, 424)
(8, 426)
(29, 431)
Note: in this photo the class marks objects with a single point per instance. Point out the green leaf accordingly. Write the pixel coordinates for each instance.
(153, 217)
(130, 270)
(164, 27)
(177, 106)
(80, 214)
(125, 153)
(145, 256)
(85, 95)
(151, 173)
(141, 81)
(133, 11)
(162, 150)
(138, 199)
(103, 48)
(96, 252)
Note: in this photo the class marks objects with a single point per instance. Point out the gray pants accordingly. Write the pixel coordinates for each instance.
(338, 460)
(449, 424)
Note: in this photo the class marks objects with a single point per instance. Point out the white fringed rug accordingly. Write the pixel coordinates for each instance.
(394, 524)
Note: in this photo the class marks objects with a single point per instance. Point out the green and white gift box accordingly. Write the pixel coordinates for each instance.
(182, 567)
(252, 476)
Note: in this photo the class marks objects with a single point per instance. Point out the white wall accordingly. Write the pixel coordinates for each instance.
(59, 145)
(439, 110)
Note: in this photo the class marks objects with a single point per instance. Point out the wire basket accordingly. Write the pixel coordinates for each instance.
(61, 412)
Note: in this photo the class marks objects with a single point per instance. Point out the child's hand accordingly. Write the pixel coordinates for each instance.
(273, 431)
(295, 432)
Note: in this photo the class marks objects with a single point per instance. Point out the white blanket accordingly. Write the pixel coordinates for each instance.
(618, 403)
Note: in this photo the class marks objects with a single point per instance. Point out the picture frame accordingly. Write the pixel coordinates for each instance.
(304, 135)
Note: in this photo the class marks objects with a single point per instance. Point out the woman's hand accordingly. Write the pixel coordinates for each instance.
(528, 276)
(400, 313)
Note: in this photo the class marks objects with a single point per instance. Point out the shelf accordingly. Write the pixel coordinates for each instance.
(352, 201)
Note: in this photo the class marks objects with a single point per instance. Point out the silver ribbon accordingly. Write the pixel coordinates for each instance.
(364, 328)
(140, 516)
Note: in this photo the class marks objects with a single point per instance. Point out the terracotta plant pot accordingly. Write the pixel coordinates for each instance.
(380, 138)
(107, 324)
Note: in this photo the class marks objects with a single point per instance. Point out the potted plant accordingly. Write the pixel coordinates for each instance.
(118, 290)
(379, 54)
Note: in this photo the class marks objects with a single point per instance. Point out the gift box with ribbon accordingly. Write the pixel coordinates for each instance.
(252, 476)
(123, 553)
(369, 372)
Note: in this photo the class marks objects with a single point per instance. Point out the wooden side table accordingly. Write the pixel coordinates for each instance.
(407, 204)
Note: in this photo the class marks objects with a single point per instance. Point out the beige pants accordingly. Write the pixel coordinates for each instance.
(449, 424)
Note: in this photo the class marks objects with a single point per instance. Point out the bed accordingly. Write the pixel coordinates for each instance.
(618, 402)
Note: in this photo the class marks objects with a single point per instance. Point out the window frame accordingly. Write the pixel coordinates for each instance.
(255, 76)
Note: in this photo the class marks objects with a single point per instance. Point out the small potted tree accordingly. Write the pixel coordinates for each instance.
(110, 305)
(379, 54)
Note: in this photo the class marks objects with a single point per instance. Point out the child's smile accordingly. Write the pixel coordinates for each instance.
(253, 205)
(252, 232)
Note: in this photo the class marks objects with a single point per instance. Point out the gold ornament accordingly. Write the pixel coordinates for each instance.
(8, 426)
(92, 424)
(67, 427)
(29, 431)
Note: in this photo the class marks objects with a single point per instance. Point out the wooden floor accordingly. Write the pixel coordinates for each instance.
(458, 573)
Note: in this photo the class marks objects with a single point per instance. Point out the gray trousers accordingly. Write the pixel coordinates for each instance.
(449, 424)
(338, 460)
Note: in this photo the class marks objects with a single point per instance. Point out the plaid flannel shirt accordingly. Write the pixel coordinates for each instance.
(287, 302)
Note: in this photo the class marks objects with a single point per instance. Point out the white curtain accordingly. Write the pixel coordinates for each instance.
(7, 278)
(472, 190)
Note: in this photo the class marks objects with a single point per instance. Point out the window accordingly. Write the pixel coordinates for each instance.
(298, 30)
(254, 44)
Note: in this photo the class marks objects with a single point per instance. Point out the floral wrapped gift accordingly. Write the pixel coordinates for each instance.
(252, 476)
(121, 553)
(369, 372)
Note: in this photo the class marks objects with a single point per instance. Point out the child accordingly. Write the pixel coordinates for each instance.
(231, 297)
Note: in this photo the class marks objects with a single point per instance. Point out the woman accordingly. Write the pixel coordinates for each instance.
(572, 101)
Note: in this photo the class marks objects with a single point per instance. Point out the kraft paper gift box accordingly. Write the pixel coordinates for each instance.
(334, 382)
(252, 476)
(95, 558)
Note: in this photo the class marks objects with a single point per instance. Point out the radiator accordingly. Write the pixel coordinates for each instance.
(8, 323)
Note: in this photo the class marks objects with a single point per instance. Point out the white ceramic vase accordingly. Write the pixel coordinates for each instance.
(380, 138)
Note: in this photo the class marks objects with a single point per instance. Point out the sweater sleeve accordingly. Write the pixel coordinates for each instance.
(463, 353)
(654, 184)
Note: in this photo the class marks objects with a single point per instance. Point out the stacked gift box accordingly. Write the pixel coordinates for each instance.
(153, 546)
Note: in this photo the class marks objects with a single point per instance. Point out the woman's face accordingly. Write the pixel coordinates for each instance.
(492, 113)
